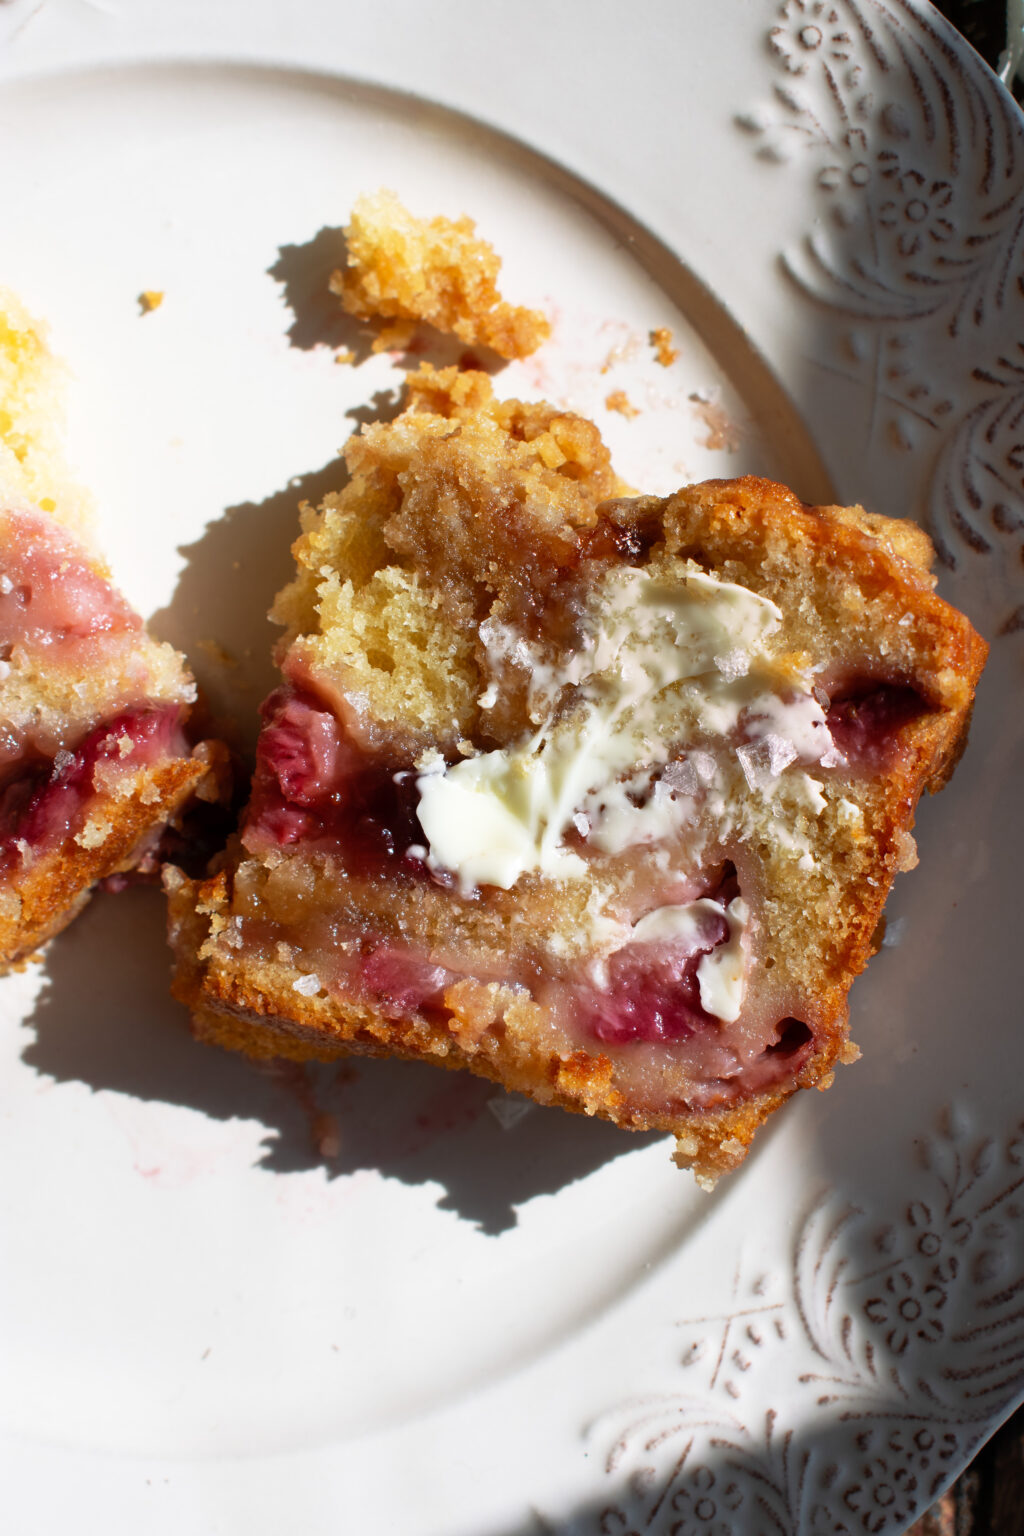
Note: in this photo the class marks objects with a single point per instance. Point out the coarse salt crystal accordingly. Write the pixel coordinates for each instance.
(508, 1111)
(733, 664)
(895, 928)
(756, 769)
(681, 775)
(307, 986)
(704, 763)
(780, 752)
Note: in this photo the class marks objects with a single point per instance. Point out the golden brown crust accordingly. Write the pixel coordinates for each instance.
(46, 898)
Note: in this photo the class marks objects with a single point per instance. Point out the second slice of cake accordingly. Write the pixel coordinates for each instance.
(598, 796)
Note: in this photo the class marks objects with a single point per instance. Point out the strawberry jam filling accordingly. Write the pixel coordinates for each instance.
(642, 1004)
(315, 791)
(313, 785)
(402, 982)
(866, 717)
(651, 991)
(51, 598)
(653, 996)
(45, 802)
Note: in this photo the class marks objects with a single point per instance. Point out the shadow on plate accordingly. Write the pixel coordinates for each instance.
(304, 272)
(218, 613)
(409, 1121)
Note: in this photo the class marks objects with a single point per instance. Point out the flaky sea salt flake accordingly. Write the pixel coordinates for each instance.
(733, 664)
(509, 1111)
(681, 776)
(781, 752)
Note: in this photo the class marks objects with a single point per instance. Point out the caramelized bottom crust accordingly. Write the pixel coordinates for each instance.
(45, 898)
(255, 1009)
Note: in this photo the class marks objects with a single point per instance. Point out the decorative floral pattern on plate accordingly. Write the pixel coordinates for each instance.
(899, 1338)
(915, 1325)
(918, 163)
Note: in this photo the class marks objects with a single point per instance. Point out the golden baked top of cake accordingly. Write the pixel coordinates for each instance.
(460, 509)
(33, 466)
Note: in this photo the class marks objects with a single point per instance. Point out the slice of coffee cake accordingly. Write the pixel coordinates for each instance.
(93, 757)
(597, 796)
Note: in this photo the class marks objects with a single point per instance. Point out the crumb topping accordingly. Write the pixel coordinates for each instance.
(403, 269)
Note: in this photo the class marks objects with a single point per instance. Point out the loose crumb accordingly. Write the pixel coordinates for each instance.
(403, 269)
(150, 299)
(661, 341)
(345, 355)
(619, 401)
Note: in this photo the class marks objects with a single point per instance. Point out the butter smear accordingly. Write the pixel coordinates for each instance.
(661, 662)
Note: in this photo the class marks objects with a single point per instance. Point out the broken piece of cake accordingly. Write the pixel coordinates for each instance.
(93, 755)
(597, 796)
(404, 270)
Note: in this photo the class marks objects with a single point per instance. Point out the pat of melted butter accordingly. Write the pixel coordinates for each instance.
(661, 662)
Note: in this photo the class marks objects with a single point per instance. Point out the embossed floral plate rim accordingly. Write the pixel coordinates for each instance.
(828, 1360)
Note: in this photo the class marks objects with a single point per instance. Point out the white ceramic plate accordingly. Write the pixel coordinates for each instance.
(375, 1300)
